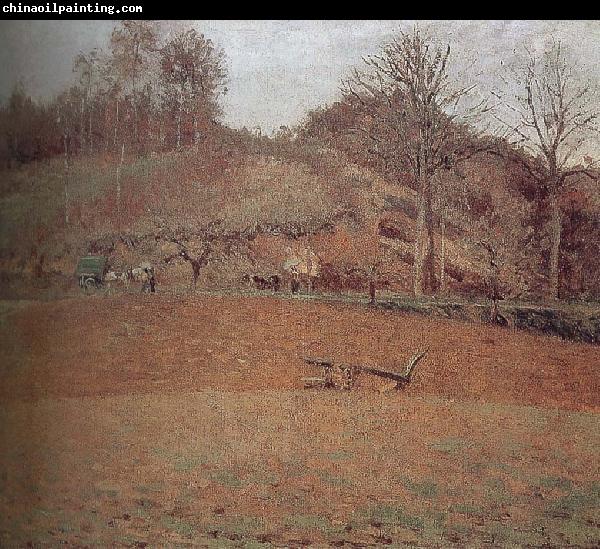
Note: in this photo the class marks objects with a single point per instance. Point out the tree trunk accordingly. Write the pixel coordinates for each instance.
(442, 254)
(66, 180)
(556, 236)
(134, 94)
(179, 126)
(90, 144)
(423, 265)
(119, 182)
(82, 126)
(419, 247)
(429, 261)
(135, 121)
(116, 125)
(494, 312)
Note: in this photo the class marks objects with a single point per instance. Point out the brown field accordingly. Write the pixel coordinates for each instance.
(138, 420)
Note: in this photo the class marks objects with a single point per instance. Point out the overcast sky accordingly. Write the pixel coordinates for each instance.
(281, 69)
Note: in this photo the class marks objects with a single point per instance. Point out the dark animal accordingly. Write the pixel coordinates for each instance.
(272, 282)
(500, 320)
(295, 285)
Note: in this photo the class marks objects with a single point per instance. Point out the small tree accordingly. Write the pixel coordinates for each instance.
(500, 237)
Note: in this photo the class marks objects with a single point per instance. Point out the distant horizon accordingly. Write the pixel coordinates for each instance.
(281, 70)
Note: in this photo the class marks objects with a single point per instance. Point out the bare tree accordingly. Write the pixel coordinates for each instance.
(415, 117)
(193, 74)
(203, 244)
(502, 242)
(556, 115)
(110, 86)
(132, 43)
(65, 107)
(88, 68)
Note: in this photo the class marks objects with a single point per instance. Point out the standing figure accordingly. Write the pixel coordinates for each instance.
(372, 292)
(295, 280)
(145, 280)
(152, 281)
(372, 277)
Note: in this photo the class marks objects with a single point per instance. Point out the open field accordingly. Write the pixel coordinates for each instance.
(151, 419)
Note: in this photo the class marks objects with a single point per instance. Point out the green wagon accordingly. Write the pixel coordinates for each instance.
(90, 271)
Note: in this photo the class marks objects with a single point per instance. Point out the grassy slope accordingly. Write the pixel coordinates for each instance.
(244, 187)
(245, 183)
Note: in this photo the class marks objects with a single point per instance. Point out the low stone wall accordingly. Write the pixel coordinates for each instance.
(573, 326)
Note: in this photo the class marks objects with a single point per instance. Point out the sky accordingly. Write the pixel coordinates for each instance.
(280, 70)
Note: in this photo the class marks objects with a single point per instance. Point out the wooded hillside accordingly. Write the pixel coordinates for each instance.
(395, 184)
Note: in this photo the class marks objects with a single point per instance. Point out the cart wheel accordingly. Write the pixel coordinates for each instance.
(89, 284)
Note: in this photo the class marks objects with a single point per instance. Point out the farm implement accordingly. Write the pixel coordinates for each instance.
(344, 376)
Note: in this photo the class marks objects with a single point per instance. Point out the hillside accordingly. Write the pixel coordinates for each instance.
(262, 200)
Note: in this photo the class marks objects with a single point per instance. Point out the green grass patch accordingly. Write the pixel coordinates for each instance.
(307, 522)
(253, 544)
(141, 512)
(129, 541)
(178, 526)
(182, 463)
(152, 487)
(393, 515)
(106, 492)
(504, 467)
(576, 501)
(475, 468)
(451, 445)
(467, 509)
(45, 511)
(238, 525)
(334, 480)
(226, 478)
(456, 532)
(576, 533)
(434, 524)
(339, 455)
(163, 453)
(66, 528)
(496, 491)
(552, 483)
(295, 467)
(263, 477)
(426, 489)
(185, 464)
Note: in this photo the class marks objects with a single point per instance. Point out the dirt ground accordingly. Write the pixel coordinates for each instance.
(134, 420)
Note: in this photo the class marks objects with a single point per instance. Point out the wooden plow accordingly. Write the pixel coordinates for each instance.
(343, 376)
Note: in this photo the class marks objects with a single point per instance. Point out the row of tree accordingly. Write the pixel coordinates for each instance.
(404, 113)
(153, 90)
